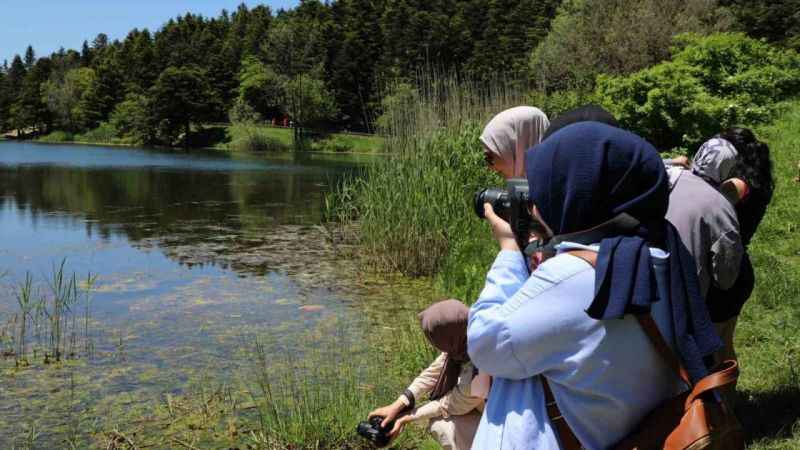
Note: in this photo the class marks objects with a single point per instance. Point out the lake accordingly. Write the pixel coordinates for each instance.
(195, 257)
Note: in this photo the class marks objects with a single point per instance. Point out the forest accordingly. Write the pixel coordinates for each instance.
(332, 65)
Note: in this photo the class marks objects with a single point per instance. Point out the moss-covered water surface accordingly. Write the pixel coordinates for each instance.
(212, 286)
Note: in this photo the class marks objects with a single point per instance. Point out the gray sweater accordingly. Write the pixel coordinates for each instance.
(707, 224)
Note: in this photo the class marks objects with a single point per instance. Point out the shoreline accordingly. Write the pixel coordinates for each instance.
(182, 149)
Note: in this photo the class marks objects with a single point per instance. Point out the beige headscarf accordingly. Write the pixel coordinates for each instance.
(509, 134)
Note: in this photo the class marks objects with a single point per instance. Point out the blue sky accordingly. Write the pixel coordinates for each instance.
(50, 24)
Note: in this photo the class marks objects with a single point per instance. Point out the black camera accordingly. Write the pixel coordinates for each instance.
(372, 431)
(511, 204)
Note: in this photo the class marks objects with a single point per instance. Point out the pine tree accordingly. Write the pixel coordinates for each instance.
(103, 94)
(30, 58)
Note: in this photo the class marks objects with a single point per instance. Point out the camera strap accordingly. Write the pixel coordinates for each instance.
(622, 223)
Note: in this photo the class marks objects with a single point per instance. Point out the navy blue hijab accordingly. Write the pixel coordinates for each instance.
(586, 174)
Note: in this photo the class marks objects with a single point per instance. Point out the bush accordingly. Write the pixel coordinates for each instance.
(712, 82)
(57, 136)
(103, 134)
(590, 37)
(334, 144)
(133, 119)
(252, 138)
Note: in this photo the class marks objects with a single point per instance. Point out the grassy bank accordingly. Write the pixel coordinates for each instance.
(237, 137)
(266, 138)
(768, 335)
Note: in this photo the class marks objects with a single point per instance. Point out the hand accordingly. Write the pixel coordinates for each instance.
(388, 412)
(398, 426)
(681, 161)
(500, 229)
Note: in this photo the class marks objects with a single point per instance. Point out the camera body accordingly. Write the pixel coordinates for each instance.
(372, 431)
(512, 204)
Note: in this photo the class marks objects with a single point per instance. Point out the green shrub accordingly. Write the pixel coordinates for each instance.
(557, 102)
(103, 134)
(332, 144)
(57, 136)
(133, 119)
(712, 82)
(254, 138)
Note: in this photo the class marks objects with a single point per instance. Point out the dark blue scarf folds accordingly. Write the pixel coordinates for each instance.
(586, 174)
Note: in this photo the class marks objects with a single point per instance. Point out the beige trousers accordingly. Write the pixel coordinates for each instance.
(455, 432)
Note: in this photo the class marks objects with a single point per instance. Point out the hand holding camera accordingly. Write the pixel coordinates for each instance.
(384, 424)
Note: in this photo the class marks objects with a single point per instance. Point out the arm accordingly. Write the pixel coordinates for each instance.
(424, 383)
(726, 259)
(524, 334)
(426, 380)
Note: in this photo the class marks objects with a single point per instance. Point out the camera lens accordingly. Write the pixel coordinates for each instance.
(497, 197)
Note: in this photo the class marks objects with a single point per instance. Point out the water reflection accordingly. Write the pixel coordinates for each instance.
(194, 253)
(198, 210)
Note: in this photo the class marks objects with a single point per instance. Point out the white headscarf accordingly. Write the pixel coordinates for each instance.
(509, 134)
(715, 160)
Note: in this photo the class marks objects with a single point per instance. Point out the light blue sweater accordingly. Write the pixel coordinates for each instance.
(605, 375)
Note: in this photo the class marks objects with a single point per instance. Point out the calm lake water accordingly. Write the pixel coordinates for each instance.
(196, 254)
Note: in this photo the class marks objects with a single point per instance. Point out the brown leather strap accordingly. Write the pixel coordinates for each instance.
(651, 329)
(725, 373)
(563, 431)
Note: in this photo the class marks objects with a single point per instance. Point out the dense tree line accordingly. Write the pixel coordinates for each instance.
(319, 64)
(328, 65)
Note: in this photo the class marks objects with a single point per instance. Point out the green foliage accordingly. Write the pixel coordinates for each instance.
(181, 97)
(242, 112)
(133, 119)
(426, 222)
(711, 83)
(253, 138)
(105, 133)
(103, 94)
(260, 88)
(57, 136)
(396, 105)
(64, 97)
(778, 21)
(309, 101)
(333, 144)
(590, 37)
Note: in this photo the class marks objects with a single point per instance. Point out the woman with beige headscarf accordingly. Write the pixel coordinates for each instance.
(455, 389)
(508, 135)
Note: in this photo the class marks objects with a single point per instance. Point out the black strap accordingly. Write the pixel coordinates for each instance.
(621, 224)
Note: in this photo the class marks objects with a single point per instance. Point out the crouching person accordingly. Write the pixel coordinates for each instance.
(571, 365)
(454, 409)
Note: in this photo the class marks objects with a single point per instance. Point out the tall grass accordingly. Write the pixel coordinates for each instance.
(49, 322)
(414, 209)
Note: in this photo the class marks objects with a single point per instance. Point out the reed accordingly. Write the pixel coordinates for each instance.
(414, 208)
(47, 322)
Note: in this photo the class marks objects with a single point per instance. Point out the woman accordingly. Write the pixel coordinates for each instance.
(508, 135)
(739, 165)
(454, 410)
(555, 325)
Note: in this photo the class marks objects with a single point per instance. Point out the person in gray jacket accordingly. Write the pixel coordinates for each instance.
(706, 222)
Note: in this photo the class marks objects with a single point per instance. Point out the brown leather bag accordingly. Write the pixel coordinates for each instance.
(694, 420)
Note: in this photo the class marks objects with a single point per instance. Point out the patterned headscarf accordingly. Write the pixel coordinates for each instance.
(715, 160)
